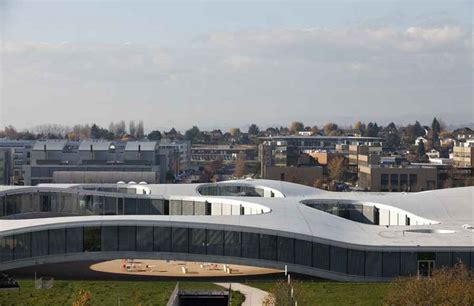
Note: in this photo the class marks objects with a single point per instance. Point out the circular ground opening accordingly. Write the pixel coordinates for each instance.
(430, 231)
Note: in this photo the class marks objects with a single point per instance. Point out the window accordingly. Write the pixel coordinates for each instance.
(127, 238)
(394, 182)
(250, 245)
(338, 259)
(22, 246)
(268, 247)
(179, 240)
(109, 238)
(161, 239)
(145, 238)
(232, 243)
(74, 240)
(285, 249)
(197, 241)
(39, 243)
(413, 181)
(215, 242)
(57, 241)
(92, 239)
(130, 206)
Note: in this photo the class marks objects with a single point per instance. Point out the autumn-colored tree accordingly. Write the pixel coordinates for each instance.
(234, 132)
(447, 286)
(337, 168)
(296, 126)
(319, 183)
(329, 128)
(83, 299)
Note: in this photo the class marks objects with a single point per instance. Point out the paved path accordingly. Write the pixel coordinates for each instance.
(253, 296)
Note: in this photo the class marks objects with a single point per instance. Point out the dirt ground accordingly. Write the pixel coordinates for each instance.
(166, 268)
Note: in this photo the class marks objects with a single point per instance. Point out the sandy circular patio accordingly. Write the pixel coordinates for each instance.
(164, 268)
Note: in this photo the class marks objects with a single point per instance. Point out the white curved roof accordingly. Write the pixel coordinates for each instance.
(450, 208)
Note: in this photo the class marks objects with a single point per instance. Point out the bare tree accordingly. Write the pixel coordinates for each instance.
(240, 165)
(132, 129)
(337, 168)
(140, 130)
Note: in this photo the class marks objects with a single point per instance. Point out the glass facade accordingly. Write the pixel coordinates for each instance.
(65, 204)
(220, 242)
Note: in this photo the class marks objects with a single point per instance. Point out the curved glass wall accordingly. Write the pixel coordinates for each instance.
(238, 190)
(60, 204)
(367, 213)
(274, 248)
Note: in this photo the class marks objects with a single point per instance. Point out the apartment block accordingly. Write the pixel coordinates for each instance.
(398, 178)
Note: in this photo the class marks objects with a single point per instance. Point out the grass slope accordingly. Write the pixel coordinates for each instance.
(103, 292)
(333, 293)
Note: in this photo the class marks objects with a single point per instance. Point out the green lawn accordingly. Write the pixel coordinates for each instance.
(333, 293)
(103, 292)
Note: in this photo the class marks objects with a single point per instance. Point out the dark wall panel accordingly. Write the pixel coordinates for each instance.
(179, 240)
(22, 246)
(303, 252)
(462, 257)
(250, 245)
(338, 261)
(215, 242)
(197, 243)
(127, 238)
(286, 249)
(356, 262)
(391, 264)
(39, 243)
(57, 241)
(74, 240)
(162, 239)
(268, 247)
(373, 264)
(145, 238)
(232, 243)
(408, 263)
(444, 259)
(321, 256)
(109, 238)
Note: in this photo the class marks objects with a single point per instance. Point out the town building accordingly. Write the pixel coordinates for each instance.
(96, 161)
(308, 143)
(202, 154)
(5, 167)
(305, 175)
(182, 149)
(387, 178)
(463, 154)
(19, 155)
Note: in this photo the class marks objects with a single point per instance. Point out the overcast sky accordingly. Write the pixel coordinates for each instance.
(223, 64)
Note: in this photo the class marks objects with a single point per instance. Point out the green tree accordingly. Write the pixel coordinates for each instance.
(193, 134)
(420, 150)
(154, 135)
(253, 130)
(436, 126)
